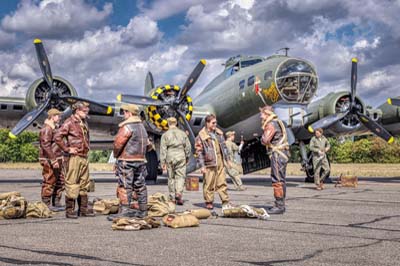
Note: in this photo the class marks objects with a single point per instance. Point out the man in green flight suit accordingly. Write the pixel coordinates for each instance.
(175, 152)
(319, 146)
(234, 170)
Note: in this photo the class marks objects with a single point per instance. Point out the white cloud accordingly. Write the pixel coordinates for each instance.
(55, 18)
(365, 44)
(141, 31)
(6, 39)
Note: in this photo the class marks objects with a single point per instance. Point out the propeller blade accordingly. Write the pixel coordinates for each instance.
(375, 128)
(187, 127)
(393, 101)
(353, 80)
(28, 119)
(149, 83)
(327, 121)
(43, 62)
(95, 107)
(191, 79)
(140, 100)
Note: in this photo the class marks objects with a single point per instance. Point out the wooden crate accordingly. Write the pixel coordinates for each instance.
(347, 181)
(192, 183)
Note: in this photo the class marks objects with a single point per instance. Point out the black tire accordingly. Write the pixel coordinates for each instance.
(152, 166)
(310, 171)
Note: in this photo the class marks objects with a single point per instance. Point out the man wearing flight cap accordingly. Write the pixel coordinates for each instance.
(73, 138)
(50, 157)
(234, 169)
(130, 146)
(275, 139)
(175, 152)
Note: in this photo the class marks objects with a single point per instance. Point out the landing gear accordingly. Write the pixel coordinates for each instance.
(152, 166)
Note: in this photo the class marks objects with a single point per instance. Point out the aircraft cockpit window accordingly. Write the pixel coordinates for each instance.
(247, 63)
(268, 75)
(250, 81)
(296, 81)
(232, 70)
(3, 107)
(241, 84)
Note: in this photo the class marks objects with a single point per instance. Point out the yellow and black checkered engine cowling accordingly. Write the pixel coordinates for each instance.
(155, 114)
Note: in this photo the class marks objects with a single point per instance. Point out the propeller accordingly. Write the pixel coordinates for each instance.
(394, 101)
(353, 110)
(52, 96)
(176, 103)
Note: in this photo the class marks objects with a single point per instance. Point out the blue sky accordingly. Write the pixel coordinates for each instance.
(106, 47)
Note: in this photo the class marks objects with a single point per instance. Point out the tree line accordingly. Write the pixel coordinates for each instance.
(368, 149)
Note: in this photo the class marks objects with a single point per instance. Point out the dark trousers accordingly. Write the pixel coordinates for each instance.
(278, 174)
(132, 176)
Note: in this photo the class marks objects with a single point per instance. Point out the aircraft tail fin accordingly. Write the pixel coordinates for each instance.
(149, 83)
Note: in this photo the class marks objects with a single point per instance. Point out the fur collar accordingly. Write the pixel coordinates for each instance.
(132, 119)
(203, 134)
(50, 123)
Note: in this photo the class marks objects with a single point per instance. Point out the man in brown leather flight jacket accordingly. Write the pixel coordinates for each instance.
(275, 139)
(73, 138)
(211, 155)
(130, 146)
(50, 157)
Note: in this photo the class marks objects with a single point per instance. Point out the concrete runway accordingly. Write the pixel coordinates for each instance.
(337, 226)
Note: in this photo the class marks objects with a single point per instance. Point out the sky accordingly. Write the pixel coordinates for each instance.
(107, 47)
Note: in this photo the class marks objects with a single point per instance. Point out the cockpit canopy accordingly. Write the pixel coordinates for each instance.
(235, 63)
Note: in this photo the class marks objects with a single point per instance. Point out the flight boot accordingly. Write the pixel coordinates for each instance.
(142, 213)
(70, 208)
(279, 207)
(47, 201)
(84, 208)
(179, 199)
(56, 202)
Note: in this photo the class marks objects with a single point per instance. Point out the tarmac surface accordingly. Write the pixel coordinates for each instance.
(336, 226)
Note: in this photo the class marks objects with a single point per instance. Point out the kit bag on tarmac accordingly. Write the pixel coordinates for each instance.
(245, 211)
(180, 220)
(200, 213)
(38, 209)
(134, 224)
(106, 206)
(158, 205)
(12, 206)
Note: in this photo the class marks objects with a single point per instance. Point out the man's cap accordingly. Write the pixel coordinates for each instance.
(266, 109)
(133, 108)
(171, 120)
(80, 105)
(53, 111)
(229, 133)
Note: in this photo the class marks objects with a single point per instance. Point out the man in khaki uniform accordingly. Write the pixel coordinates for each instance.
(50, 157)
(319, 146)
(175, 152)
(234, 170)
(211, 155)
(73, 139)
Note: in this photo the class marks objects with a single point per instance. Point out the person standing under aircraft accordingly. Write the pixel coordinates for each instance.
(234, 170)
(130, 146)
(275, 139)
(73, 138)
(319, 146)
(175, 152)
(211, 155)
(50, 157)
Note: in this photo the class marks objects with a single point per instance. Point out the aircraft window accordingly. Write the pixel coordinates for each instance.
(250, 62)
(241, 84)
(3, 107)
(250, 81)
(197, 121)
(268, 75)
(18, 107)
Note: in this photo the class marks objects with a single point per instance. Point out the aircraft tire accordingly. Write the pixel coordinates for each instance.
(152, 166)
(310, 172)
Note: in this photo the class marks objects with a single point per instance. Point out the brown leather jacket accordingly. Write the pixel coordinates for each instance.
(205, 150)
(76, 133)
(49, 150)
(131, 141)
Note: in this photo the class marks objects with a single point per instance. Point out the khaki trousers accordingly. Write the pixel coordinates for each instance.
(77, 179)
(320, 165)
(176, 177)
(215, 180)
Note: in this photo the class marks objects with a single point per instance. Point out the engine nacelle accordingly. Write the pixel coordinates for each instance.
(39, 89)
(158, 115)
(336, 102)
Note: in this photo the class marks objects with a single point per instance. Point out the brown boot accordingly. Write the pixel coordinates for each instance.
(179, 199)
(46, 200)
(70, 208)
(84, 210)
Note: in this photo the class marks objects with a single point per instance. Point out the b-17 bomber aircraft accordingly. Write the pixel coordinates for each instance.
(235, 95)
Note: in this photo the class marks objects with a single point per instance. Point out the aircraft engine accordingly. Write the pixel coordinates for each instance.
(158, 114)
(335, 103)
(39, 90)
